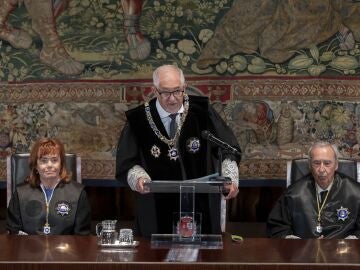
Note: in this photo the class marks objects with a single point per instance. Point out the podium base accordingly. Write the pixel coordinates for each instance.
(202, 241)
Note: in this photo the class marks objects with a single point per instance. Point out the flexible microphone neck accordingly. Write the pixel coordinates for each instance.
(205, 134)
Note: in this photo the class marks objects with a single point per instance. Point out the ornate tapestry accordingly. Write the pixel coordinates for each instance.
(282, 74)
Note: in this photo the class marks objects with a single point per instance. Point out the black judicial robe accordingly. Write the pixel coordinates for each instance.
(154, 212)
(69, 210)
(295, 213)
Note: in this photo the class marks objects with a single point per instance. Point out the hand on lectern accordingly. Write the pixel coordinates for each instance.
(140, 187)
(233, 190)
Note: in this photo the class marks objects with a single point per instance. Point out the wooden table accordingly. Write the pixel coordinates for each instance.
(76, 252)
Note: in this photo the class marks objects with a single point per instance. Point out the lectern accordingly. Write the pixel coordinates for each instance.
(186, 222)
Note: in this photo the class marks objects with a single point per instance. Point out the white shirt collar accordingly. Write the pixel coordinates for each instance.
(319, 189)
(163, 113)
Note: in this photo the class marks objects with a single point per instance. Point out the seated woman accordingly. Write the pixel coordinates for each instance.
(49, 202)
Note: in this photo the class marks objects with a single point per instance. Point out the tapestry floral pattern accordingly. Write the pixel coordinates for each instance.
(279, 94)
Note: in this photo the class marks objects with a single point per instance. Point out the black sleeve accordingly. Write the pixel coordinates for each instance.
(83, 215)
(224, 133)
(356, 232)
(13, 219)
(279, 223)
(127, 154)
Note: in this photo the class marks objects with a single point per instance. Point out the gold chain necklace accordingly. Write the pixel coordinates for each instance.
(173, 152)
(169, 142)
(319, 228)
(46, 227)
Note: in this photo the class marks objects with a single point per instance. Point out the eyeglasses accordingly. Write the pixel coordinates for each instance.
(177, 92)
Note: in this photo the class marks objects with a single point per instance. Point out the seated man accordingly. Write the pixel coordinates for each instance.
(323, 204)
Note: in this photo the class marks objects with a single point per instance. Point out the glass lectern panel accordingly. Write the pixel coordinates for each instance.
(186, 222)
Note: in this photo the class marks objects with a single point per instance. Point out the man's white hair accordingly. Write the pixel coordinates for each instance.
(321, 144)
(166, 68)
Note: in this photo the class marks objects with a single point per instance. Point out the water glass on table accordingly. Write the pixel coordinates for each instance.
(126, 236)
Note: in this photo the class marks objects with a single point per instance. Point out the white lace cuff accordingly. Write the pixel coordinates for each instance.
(351, 237)
(134, 174)
(230, 169)
(291, 236)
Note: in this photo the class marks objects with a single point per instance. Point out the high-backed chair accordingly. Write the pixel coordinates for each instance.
(17, 169)
(298, 168)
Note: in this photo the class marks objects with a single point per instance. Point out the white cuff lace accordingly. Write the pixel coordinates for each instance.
(351, 237)
(291, 236)
(134, 174)
(230, 169)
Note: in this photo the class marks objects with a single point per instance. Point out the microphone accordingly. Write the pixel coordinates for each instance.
(210, 137)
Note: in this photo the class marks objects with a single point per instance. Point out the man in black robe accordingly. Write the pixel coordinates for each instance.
(152, 146)
(323, 204)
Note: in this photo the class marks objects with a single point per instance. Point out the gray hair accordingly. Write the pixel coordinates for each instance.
(321, 144)
(166, 68)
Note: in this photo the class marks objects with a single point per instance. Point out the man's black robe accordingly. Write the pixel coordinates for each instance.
(154, 212)
(295, 213)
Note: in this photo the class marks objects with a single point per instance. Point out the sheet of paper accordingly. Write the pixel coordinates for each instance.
(186, 254)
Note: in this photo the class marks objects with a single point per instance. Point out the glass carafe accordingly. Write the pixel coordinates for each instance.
(106, 231)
